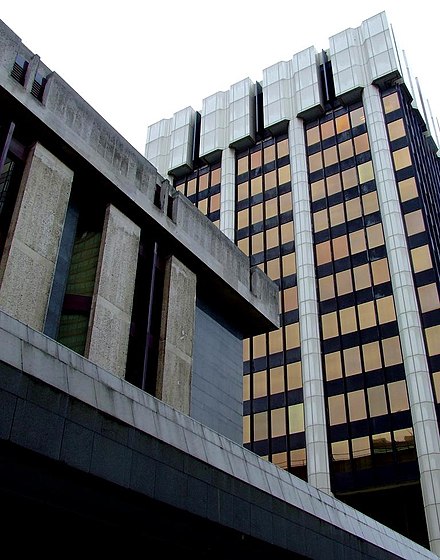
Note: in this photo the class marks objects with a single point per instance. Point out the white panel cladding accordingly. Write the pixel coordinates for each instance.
(227, 209)
(182, 139)
(214, 123)
(305, 72)
(241, 112)
(157, 147)
(363, 55)
(318, 470)
(420, 395)
(277, 94)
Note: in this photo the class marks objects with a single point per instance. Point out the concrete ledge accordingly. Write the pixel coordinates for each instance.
(33, 362)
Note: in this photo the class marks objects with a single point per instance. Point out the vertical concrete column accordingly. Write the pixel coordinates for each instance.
(29, 259)
(176, 337)
(421, 399)
(227, 195)
(110, 318)
(318, 469)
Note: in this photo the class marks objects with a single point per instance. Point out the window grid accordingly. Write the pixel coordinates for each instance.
(357, 312)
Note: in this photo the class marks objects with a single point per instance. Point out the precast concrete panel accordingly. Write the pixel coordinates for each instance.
(109, 328)
(29, 259)
(177, 336)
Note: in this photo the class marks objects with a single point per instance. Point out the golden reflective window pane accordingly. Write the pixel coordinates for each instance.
(292, 336)
(408, 189)
(276, 341)
(287, 232)
(414, 222)
(396, 129)
(259, 384)
(294, 378)
(362, 278)
(352, 361)
(272, 239)
(329, 323)
(283, 148)
(242, 165)
(357, 117)
(380, 271)
(290, 299)
(340, 247)
(421, 258)
(276, 376)
(433, 340)
(273, 269)
(246, 429)
(326, 287)
(278, 418)
(257, 213)
(391, 351)
(375, 236)
(428, 297)
(333, 366)
(333, 184)
(357, 242)
(246, 346)
(202, 205)
(336, 410)
(356, 405)
(315, 162)
(367, 315)
(246, 387)
(330, 156)
(348, 320)
(361, 447)
(391, 102)
(257, 243)
(289, 264)
(327, 129)
(214, 202)
(243, 244)
(398, 396)
(402, 158)
(385, 309)
(371, 356)
(370, 202)
(269, 153)
(191, 188)
(284, 175)
(337, 215)
(256, 185)
(361, 143)
(259, 346)
(349, 178)
(271, 208)
(260, 426)
(318, 190)
(270, 180)
(243, 218)
(365, 171)
(285, 202)
(320, 220)
(255, 160)
(346, 149)
(216, 176)
(377, 403)
(296, 418)
(340, 451)
(344, 282)
(323, 252)
(242, 191)
(353, 209)
(342, 123)
(312, 135)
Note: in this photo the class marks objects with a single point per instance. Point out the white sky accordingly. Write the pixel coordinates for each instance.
(136, 61)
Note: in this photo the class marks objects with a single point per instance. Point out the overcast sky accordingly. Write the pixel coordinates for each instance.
(137, 62)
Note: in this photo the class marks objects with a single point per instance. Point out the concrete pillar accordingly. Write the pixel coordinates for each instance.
(318, 468)
(421, 399)
(227, 196)
(176, 337)
(29, 259)
(110, 318)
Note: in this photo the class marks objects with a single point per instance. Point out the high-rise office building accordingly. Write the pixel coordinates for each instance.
(325, 174)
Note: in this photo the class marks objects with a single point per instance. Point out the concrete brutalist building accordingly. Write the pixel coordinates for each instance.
(122, 315)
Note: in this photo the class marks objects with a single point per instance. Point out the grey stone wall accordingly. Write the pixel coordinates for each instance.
(217, 380)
